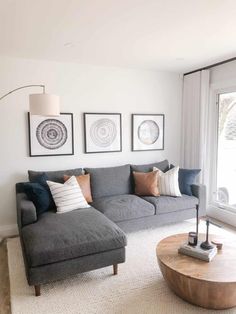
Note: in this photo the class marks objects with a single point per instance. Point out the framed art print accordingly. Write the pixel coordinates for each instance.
(148, 132)
(102, 132)
(51, 136)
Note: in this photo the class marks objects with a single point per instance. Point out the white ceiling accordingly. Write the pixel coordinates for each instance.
(173, 35)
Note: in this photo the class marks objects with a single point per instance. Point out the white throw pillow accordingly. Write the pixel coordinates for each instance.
(169, 182)
(67, 196)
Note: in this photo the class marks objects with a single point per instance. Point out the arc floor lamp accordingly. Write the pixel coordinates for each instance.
(40, 104)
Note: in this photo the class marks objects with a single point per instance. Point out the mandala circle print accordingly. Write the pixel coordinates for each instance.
(51, 134)
(148, 132)
(103, 132)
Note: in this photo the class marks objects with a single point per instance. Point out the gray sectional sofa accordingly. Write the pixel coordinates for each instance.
(57, 246)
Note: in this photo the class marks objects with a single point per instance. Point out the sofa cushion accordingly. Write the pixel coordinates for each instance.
(124, 207)
(54, 238)
(146, 183)
(187, 177)
(162, 165)
(168, 204)
(168, 182)
(67, 196)
(42, 180)
(39, 196)
(56, 176)
(84, 183)
(109, 181)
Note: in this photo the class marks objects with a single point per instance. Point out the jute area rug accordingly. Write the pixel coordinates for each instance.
(138, 288)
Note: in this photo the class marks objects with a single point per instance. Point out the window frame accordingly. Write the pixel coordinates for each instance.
(215, 139)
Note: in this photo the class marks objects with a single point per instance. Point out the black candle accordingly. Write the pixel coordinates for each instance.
(192, 238)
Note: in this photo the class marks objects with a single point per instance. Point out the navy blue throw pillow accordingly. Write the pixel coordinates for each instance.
(187, 177)
(42, 180)
(39, 196)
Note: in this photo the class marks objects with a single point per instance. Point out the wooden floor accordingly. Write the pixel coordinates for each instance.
(4, 281)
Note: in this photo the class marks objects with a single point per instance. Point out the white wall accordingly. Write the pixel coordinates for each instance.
(82, 88)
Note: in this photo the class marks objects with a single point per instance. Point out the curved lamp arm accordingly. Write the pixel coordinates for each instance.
(26, 86)
(40, 104)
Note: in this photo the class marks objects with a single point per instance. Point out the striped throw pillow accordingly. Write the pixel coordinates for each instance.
(67, 196)
(169, 182)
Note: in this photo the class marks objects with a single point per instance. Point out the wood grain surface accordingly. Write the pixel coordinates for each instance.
(210, 285)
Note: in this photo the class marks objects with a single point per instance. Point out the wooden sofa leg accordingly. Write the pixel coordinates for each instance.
(37, 291)
(115, 269)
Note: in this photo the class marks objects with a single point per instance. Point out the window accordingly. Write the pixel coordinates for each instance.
(226, 152)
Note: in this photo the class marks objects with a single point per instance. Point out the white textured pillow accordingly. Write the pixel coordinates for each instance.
(67, 196)
(169, 182)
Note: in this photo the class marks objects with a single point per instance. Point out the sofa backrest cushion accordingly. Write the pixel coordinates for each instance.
(110, 181)
(162, 165)
(56, 176)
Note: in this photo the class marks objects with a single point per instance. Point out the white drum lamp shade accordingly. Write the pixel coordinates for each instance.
(44, 105)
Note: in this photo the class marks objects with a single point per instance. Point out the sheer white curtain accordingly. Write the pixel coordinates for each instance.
(195, 122)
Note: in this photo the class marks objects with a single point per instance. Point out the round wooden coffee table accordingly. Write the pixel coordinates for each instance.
(211, 285)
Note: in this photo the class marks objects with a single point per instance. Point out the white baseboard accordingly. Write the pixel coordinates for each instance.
(223, 215)
(8, 231)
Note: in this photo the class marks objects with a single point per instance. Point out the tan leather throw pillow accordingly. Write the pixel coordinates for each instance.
(146, 184)
(84, 183)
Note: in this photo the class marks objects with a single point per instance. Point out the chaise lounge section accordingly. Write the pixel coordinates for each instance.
(56, 246)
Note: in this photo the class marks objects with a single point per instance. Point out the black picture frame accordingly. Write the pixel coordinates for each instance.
(30, 137)
(90, 114)
(160, 146)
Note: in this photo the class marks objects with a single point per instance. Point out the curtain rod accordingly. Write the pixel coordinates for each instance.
(211, 66)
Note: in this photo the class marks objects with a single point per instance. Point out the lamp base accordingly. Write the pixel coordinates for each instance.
(206, 245)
